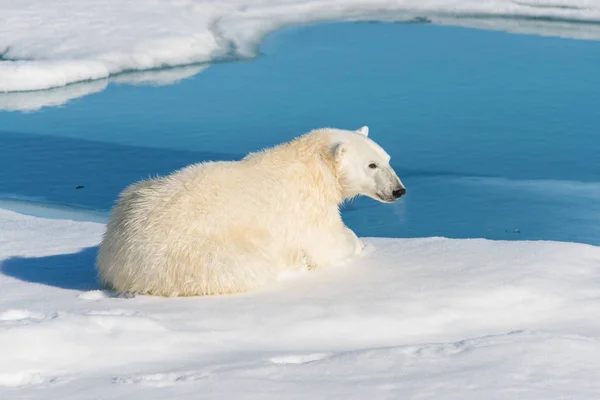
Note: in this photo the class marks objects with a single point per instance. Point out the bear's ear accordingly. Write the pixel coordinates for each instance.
(337, 151)
(363, 131)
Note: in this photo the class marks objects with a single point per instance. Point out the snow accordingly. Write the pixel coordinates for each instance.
(57, 96)
(51, 44)
(411, 318)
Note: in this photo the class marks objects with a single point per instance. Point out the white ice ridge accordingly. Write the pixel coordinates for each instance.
(45, 44)
(429, 318)
(35, 100)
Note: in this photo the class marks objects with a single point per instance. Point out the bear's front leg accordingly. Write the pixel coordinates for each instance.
(331, 248)
(359, 245)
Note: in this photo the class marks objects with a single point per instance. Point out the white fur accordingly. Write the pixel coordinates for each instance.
(226, 227)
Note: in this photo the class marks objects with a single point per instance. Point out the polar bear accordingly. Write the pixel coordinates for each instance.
(226, 227)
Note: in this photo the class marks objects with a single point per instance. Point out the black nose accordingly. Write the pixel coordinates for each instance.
(399, 193)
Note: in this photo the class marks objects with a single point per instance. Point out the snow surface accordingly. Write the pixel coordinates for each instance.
(45, 44)
(57, 96)
(412, 318)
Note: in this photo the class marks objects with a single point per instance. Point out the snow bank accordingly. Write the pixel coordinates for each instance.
(426, 318)
(50, 44)
(57, 96)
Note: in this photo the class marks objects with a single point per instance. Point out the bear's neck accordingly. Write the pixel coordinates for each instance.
(321, 167)
(307, 160)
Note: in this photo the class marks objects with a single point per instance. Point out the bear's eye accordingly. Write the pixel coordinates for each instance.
(372, 165)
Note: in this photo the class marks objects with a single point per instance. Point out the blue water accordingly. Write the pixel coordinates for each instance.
(495, 135)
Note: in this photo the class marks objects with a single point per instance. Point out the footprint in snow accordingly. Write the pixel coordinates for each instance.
(25, 378)
(162, 379)
(23, 317)
(114, 313)
(299, 358)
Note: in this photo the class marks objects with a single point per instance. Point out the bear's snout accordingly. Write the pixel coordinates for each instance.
(398, 192)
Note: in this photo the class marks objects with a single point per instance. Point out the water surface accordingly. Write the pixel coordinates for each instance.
(495, 135)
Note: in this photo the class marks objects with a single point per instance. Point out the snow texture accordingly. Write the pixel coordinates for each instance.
(429, 318)
(54, 43)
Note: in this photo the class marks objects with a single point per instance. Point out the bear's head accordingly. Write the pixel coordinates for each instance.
(364, 167)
